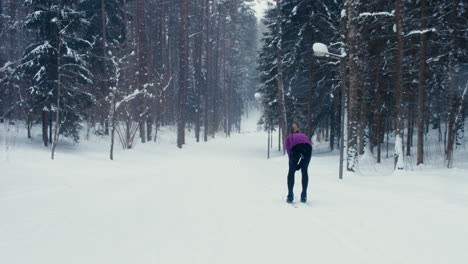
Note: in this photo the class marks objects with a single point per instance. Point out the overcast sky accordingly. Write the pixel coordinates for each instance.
(260, 6)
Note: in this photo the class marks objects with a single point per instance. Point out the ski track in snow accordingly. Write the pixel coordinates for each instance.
(220, 202)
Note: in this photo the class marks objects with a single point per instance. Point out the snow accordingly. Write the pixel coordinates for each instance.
(42, 48)
(294, 11)
(129, 97)
(258, 97)
(399, 152)
(421, 31)
(218, 202)
(39, 74)
(260, 6)
(7, 67)
(366, 14)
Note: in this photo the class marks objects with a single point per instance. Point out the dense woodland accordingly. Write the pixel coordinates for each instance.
(400, 71)
(124, 68)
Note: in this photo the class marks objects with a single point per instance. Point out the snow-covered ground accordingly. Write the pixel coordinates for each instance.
(219, 202)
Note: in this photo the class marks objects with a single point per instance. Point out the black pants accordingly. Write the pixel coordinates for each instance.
(299, 159)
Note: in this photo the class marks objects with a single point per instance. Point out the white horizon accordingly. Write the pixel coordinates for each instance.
(260, 6)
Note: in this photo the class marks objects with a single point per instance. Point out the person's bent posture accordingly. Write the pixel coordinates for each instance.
(299, 150)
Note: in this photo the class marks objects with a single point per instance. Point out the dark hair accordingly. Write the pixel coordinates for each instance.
(292, 129)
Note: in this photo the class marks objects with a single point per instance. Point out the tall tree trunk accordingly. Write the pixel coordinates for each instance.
(225, 78)
(208, 69)
(421, 86)
(279, 61)
(183, 70)
(279, 140)
(451, 127)
(50, 127)
(387, 124)
(231, 70)
(29, 124)
(59, 83)
(198, 68)
(113, 123)
(142, 58)
(343, 112)
(142, 129)
(216, 86)
(268, 147)
(378, 118)
(13, 37)
(353, 86)
(409, 134)
(149, 129)
(105, 73)
(362, 121)
(45, 127)
(399, 164)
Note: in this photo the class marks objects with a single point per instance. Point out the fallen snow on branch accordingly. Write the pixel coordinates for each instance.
(421, 31)
(366, 14)
(129, 97)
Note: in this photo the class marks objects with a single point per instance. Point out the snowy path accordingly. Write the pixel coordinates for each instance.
(222, 202)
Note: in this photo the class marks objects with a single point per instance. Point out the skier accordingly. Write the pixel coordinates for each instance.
(299, 150)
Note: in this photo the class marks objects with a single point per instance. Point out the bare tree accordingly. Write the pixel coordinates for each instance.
(421, 86)
(279, 76)
(353, 106)
(399, 164)
(197, 61)
(59, 82)
(183, 71)
(142, 58)
(209, 69)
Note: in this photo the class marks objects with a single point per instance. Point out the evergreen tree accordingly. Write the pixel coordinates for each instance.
(57, 64)
(107, 32)
(305, 83)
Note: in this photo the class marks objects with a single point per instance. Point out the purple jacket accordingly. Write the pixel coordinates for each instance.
(294, 139)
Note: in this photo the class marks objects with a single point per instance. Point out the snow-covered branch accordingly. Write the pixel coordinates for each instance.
(421, 31)
(167, 85)
(367, 14)
(129, 97)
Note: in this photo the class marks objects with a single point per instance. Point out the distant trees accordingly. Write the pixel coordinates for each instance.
(121, 67)
(405, 67)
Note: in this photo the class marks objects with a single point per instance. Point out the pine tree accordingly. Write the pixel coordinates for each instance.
(57, 65)
(107, 32)
(183, 72)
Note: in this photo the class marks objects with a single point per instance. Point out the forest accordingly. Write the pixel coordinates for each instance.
(395, 76)
(124, 68)
(233, 131)
(397, 71)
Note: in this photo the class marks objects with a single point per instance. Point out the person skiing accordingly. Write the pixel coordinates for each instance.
(299, 150)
